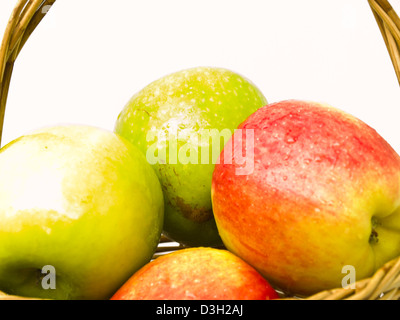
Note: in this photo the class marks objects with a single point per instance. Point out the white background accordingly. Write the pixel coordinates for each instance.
(87, 58)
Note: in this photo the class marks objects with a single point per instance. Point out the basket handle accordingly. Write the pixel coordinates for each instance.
(28, 13)
(25, 17)
(389, 24)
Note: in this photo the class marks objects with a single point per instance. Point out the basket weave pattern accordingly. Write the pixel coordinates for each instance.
(27, 14)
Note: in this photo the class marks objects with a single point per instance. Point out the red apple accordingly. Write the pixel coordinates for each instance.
(196, 274)
(324, 194)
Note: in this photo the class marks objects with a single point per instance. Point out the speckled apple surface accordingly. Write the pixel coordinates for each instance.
(197, 274)
(82, 200)
(324, 194)
(192, 100)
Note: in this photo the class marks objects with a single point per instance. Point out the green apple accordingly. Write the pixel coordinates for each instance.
(80, 202)
(181, 122)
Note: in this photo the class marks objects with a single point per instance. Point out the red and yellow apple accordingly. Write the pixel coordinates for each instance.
(324, 194)
(197, 274)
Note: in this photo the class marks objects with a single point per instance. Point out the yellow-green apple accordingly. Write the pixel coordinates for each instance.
(197, 274)
(80, 202)
(179, 122)
(323, 198)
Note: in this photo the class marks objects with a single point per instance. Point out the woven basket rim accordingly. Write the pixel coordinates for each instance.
(384, 284)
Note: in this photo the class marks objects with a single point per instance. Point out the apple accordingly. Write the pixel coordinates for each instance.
(322, 201)
(80, 211)
(179, 122)
(197, 274)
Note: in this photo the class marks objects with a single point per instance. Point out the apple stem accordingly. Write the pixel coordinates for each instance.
(373, 238)
(23, 21)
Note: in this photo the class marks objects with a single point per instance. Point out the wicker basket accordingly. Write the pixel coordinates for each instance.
(383, 285)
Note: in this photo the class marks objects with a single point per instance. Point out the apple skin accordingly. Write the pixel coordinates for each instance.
(197, 274)
(82, 200)
(324, 194)
(190, 100)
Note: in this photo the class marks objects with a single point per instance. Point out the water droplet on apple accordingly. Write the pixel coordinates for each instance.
(267, 164)
(291, 140)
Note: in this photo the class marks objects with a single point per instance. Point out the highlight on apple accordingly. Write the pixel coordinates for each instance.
(183, 146)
